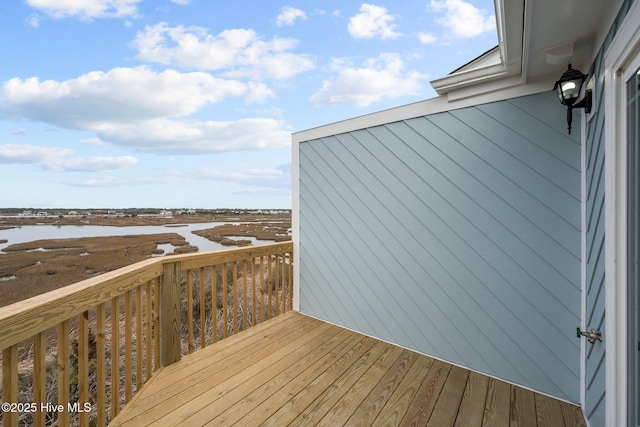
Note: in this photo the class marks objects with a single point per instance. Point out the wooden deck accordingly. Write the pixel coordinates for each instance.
(295, 370)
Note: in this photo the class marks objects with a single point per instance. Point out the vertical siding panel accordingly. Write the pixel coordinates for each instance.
(435, 233)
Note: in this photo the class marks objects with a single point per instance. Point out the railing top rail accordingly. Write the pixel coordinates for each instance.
(202, 259)
(26, 318)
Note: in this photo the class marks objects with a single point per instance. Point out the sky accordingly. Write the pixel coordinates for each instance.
(192, 103)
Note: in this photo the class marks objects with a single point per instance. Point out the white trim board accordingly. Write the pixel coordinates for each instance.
(622, 51)
(295, 221)
(490, 92)
(583, 266)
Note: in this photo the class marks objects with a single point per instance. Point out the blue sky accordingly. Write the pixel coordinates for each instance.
(191, 103)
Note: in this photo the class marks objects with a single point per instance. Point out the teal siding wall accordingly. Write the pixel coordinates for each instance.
(455, 234)
(595, 376)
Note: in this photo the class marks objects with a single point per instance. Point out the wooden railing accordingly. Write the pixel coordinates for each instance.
(76, 355)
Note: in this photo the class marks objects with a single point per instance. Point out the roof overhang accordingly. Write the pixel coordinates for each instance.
(505, 60)
(536, 40)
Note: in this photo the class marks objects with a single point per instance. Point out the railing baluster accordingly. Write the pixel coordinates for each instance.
(269, 286)
(225, 318)
(203, 317)
(290, 280)
(10, 384)
(138, 338)
(276, 285)
(156, 325)
(214, 303)
(128, 348)
(63, 372)
(39, 377)
(245, 307)
(83, 366)
(253, 292)
(235, 297)
(115, 356)
(285, 283)
(148, 316)
(261, 287)
(101, 376)
(190, 310)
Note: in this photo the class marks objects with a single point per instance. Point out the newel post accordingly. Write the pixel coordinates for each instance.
(170, 314)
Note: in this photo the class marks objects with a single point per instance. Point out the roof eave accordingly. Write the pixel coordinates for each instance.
(509, 21)
(475, 77)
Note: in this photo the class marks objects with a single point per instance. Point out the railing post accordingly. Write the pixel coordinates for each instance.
(170, 314)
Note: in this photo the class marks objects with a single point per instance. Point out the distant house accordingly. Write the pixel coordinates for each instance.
(473, 228)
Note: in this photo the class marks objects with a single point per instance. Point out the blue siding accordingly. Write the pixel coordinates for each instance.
(595, 375)
(455, 234)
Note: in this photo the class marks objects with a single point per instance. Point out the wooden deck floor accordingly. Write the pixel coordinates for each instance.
(295, 370)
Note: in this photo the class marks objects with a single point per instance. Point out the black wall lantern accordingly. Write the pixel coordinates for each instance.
(568, 88)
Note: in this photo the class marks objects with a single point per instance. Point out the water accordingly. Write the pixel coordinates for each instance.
(29, 233)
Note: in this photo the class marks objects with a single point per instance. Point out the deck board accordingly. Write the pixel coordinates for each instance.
(474, 400)
(295, 370)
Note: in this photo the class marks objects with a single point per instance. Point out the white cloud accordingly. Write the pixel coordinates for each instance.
(373, 21)
(25, 153)
(86, 9)
(33, 20)
(91, 164)
(181, 2)
(463, 19)
(380, 78)
(191, 137)
(272, 178)
(119, 95)
(258, 92)
(109, 181)
(54, 159)
(92, 141)
(238, 52)
(288, 16)
(248, 181)
(426, 38)
(144, 110)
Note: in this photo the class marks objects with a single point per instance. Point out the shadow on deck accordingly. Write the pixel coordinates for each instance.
(296, 370)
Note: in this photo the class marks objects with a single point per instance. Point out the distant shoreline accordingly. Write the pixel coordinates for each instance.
(124, 220)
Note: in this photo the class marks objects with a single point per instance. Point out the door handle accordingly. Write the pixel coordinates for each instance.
(592, 336)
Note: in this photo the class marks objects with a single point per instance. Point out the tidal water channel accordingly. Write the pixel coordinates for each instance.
(29, 233)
